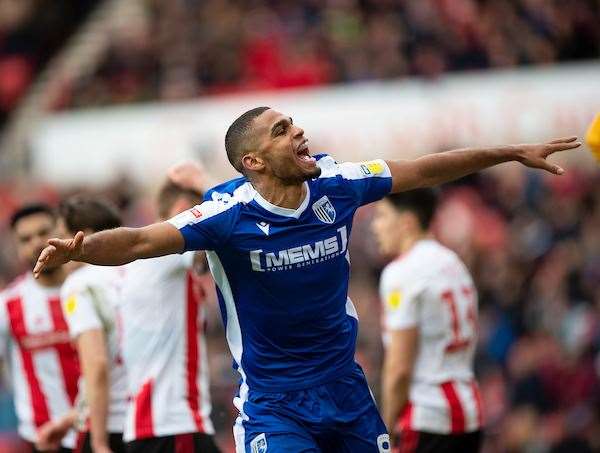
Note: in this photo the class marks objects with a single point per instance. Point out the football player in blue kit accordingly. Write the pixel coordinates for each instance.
(276, 240)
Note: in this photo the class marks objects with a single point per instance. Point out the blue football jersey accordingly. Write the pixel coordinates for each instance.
(282, 274)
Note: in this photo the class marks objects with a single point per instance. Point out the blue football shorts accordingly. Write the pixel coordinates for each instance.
(340, 416)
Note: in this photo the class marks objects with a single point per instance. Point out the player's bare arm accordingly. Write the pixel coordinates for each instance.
(94, 366)
(397, 372)
(434, 169)
(112, 247)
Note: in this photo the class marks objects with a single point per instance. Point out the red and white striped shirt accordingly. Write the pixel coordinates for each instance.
(43, 362)
(430, 288)
(164, 349)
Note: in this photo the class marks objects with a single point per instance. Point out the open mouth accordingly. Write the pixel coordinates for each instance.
(303, 153)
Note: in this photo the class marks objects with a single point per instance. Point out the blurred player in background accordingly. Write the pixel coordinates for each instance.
(90, 303)
(277, 244)
(163, 341)
(430, 332)
(34, 333)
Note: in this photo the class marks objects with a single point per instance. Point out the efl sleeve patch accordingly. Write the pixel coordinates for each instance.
(394, 300)
(371, 168)
(71, 305)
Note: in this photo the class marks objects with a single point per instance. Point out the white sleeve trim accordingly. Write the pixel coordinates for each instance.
(222, 202)
(377, 168)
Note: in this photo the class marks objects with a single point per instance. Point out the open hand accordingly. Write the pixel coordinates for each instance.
(535, 156)
(58, 252)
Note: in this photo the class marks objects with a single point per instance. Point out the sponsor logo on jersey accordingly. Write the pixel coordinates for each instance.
(324, 210)
(44, 340)
(259, 444)
(301, 256)
(371, 168)
(196, 213)
(394, 300)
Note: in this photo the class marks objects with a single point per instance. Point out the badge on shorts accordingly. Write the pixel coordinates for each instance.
(383, 443)
(259, 444)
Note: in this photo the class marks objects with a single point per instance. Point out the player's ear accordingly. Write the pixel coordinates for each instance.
(252, 162)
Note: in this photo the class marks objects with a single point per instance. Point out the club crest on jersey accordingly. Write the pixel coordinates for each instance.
(259, 444)
(324, 210)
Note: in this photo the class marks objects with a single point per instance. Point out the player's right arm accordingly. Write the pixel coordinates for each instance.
(203, 227)
(112, 247)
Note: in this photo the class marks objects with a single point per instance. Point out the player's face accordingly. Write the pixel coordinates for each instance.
(388, 227)
(32, 234)
(283, 148)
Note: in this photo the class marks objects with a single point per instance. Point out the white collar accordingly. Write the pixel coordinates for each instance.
(285, 212)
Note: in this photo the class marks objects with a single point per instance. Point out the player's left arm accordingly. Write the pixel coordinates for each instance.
(93, 357)
(434, 169)
(86, 328)
(397, 372)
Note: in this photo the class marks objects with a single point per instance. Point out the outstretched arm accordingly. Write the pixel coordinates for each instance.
(434, 169)
(112, 247)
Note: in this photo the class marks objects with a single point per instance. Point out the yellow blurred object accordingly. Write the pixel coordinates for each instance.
(592, 137)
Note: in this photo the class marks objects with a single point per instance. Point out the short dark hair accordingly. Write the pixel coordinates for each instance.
(170, 192)
(31, 209)
(236, 136)
(83, 212)
(421, 202)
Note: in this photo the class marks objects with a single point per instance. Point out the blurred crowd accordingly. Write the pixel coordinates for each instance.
(533, 245)
(31, 31)
(184, 49)
(531, 242)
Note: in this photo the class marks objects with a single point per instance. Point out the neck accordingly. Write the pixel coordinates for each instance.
(282, 195)
(409, 240)
(52, 278)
